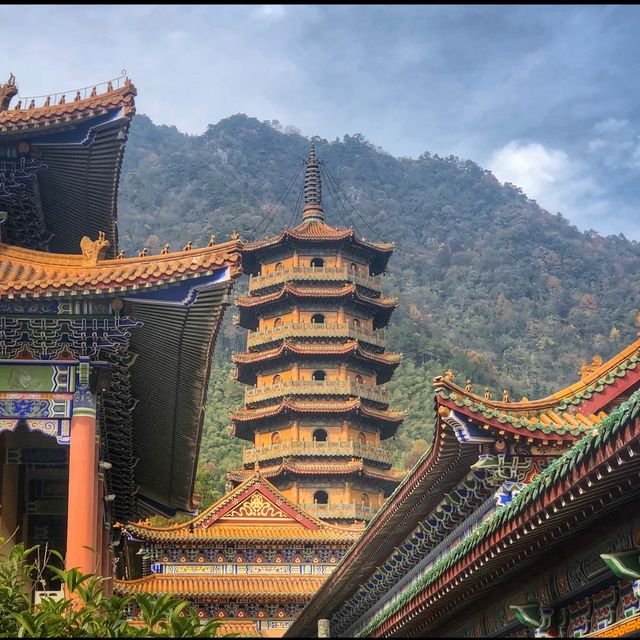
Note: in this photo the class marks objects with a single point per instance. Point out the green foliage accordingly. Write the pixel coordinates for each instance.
(490, 285)
(90, 614)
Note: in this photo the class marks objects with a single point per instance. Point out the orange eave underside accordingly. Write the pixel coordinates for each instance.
(24, 272)
(315, 349)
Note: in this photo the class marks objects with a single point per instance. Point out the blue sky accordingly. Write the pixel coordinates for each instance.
(546, 97)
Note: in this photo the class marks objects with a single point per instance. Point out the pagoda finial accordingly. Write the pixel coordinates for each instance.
(312, 189)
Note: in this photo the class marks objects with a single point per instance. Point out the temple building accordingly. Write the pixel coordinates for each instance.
(252, 560)
(521, 520)
(104, 359)
(316, 414)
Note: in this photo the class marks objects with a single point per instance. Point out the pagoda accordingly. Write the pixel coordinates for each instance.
(316, 412)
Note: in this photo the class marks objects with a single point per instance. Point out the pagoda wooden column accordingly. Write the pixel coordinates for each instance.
(83, 478)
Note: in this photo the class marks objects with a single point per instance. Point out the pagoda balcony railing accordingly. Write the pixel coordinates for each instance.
(323, 274)
(317, 387)
(316, 330)
(315, 448)
(356, 511)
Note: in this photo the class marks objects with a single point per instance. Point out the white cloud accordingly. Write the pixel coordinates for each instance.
(270, 12)
(553, 179)
(616, 145)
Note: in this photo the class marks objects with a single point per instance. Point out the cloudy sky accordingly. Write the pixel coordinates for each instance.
(546, 97)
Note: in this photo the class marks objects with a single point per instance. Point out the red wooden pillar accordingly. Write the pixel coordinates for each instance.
(83, 478)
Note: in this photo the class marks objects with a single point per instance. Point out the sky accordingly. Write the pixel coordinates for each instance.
(546, 97)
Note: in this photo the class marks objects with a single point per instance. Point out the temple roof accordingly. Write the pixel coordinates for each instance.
(316, 292)
(601, 452)
(316, 231)
(28, 273)
(355, 466)
(565, 415)
(384, 361)
(255, 510)
(603, 459)
(247, 415)
(80, 143)
(22, 120)
(288, 588)
(179, 300)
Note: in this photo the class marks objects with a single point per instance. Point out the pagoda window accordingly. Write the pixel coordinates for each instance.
(318, 375)
(354, 266)
(356, 322)
(362, 439)
(359, 379)
(320, 435)
(321, 497)
(277, 322)
(279, 266)
(277, 379)
(365, 500)
(275, 437)
(317, 262)
(317, 318)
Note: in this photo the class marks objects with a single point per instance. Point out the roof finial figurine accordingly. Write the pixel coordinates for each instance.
(165, 249)
(448, 375)
(212, 240)
(120, 255)
(187, 247)
(312, 189)
(47, 102)
(94, 93)
(18, 106)
(505, 396)
(143, 253)
(32, 104)
(63, 99)
(468, 386)
(109, 86)
(7, 91)
(235, 236)
(487, 393)
(78, 96)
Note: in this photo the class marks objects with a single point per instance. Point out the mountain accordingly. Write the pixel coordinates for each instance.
(491, 285)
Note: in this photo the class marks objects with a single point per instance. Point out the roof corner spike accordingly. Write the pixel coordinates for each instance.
(312, 189)
(7, 91)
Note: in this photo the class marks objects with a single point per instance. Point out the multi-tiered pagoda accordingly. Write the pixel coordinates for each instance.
(315, 411)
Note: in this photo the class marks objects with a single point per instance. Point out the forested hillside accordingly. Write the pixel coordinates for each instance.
(490, 285)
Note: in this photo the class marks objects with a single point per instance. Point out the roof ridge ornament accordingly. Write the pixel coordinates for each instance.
(93, 250)
(312, 189)
(7, 91)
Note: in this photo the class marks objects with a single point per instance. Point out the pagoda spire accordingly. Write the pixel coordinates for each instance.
(312, 189)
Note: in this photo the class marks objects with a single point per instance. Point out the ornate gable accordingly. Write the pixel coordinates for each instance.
(255, 501)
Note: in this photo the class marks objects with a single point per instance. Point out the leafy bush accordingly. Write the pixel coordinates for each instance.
(89, 614)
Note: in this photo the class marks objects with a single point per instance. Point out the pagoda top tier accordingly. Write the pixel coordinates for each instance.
(314, 230)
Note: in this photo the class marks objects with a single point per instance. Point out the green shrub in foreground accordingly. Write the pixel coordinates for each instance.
(91, 614)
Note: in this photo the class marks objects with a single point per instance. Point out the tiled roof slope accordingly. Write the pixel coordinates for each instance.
(19, 120)
(27, 273)
(567, 414)
(288, 587)
(618, 426)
